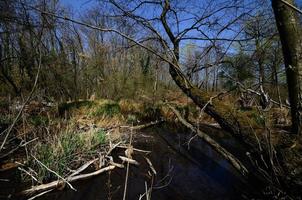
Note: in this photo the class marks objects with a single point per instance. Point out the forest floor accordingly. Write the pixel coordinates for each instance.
(54, 142)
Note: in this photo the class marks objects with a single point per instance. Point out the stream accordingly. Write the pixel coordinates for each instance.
(181, 173)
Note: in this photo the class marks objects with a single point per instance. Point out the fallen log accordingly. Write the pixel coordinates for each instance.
(222, 151)
(58, 183)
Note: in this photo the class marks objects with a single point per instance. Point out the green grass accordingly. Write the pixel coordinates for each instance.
(100, 137)
(108, 109)
(62, 152)
(38, 120)
(58, 154)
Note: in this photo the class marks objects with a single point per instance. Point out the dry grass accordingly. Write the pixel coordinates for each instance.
(66, 143)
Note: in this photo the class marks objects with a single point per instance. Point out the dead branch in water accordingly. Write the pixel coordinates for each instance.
(82, 168)
(128, 160)
(58, 183)
(139, 127)
(222, 151)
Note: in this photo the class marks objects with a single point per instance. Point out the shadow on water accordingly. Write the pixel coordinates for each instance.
(182, 174)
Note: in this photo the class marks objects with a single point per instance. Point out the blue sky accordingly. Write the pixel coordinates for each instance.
(79, 5)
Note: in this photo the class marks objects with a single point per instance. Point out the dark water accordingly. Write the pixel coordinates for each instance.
(182, 174)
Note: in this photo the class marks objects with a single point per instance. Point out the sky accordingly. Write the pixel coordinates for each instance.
(79, 5)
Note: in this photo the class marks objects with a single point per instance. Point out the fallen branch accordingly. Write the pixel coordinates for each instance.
(58, 183)
(271, 100)
(222, 151)
(151, 165)
(40, 194)
(134, 149)
(128, 160)
(139, 127)
(83, 167)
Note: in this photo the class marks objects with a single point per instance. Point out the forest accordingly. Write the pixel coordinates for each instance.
(150, 99)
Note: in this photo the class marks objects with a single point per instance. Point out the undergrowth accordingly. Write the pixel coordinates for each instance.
(65, 151)
(108, 109)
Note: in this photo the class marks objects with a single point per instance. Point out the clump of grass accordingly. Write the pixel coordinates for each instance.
(68, 106)
(38, 120)
(99, 137)
(58, 154)
(130, 106)
(108, 109)
(63, 152)
(131, 119)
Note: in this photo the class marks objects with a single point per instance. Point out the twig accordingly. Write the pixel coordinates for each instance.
(26, 143)
(55, 173)
(29, 174)
(134, 149)
(129, 160)
(113, 147)
(292, 6)
(142, 126)
(165, 177)
(82, 168)
(190, 140)
(127, 171)
(40, 194)
(151, 165)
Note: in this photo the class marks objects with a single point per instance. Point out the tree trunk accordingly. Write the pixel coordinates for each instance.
(201, 99)
(290, 36)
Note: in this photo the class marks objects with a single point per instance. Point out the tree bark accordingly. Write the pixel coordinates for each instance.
(290, 36)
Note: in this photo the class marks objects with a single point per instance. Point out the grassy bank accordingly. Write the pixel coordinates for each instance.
(68, 135)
